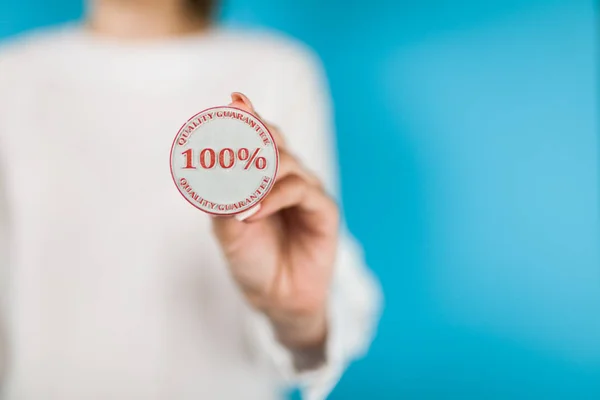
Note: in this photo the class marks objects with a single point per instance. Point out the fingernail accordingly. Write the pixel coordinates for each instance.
(248, 213)
(240, 97)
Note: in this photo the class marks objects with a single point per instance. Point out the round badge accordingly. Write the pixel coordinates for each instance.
(224, 161)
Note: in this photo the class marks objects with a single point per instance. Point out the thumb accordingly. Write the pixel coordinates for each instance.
(240, 100)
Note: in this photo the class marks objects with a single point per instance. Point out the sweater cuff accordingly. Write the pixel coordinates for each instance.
(315, 383)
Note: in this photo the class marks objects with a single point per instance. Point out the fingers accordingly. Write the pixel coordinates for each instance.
(277, 136)
(241, 101)
(295, 186)
(248, 213)
(288, 192)
(291, 182)
(295, 192)
(289, 165)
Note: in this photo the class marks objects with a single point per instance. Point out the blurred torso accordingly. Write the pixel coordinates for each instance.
(117, 289)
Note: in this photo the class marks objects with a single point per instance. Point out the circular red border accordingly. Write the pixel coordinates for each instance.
(267, 190)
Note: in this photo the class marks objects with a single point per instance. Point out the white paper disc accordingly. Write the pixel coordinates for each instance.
(224, 161)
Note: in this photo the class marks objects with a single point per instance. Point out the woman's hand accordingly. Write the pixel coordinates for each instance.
(282, 256)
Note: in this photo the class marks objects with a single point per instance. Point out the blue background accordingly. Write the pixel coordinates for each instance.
(477, 198)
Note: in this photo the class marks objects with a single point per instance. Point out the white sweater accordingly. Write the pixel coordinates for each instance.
(113, 286)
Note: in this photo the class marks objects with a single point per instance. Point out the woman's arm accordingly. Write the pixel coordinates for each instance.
(354, 297)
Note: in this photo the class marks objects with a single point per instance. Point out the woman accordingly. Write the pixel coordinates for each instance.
(115, 287)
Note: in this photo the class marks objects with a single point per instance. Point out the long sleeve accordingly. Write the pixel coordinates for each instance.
(4, 226)
(355, 296)
(4, 247)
